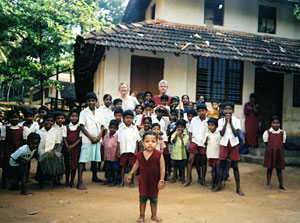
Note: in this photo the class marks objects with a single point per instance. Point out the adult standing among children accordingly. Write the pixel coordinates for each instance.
(163, 88)
(251, 111)
(128, 102)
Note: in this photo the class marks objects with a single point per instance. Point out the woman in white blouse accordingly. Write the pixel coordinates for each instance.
(128, 102)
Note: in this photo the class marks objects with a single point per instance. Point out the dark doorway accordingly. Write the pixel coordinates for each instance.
(269, 94)
(146, 72)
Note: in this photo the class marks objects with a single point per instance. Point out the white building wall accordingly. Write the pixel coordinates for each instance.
(239, 15)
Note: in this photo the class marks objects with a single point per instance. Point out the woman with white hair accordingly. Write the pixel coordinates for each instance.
(163, 88)
(128, 102)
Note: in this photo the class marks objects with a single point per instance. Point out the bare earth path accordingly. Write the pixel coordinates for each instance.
(193, 204)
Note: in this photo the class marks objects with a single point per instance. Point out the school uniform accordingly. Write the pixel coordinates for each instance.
(149, 176)
(274, 157)
(41, 123)
(48, 140)
(72, 133)
(199, 129)
(107, 114)
(140, 118)
(92, 123)
(127, 137)
(229, 144)
(27, 130)
(213, 148)
(110, 143)
(18, 170)
(59, 130)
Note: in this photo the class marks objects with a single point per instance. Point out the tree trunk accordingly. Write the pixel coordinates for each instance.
(42, 92)
(56, 92)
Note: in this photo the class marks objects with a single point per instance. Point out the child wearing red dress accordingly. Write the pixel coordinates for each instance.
(152, 173)
(274, 158)
(14, 139)
(72, 147)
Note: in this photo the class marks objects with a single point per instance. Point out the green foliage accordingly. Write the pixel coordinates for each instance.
(297, 11)
(112, 10)
(37, 37)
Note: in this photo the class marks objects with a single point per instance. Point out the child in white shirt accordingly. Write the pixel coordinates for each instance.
(128, 138)
(106, 110)
(229, 145)
(213, 138)
(19, 161)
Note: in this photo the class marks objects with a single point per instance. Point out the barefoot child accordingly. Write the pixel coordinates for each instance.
(110, 143)
(152, 174)
(19, 161)
(179, 140)
(72, 146)
(128, 138)
(213, 146)
(274, 158)
(229, 145)
(198, 130)
(92, 125)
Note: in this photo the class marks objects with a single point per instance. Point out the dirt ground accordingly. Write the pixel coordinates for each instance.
(176, 204)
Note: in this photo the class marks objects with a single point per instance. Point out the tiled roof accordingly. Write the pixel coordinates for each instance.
(162, 36)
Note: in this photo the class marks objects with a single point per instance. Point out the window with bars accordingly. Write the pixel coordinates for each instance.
(296, 91)
(220, 79)
(214, 12)
(267, 19)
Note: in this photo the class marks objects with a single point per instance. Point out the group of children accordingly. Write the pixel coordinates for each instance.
(153, 140)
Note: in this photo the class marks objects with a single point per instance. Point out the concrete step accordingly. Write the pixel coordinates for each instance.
(248, 158)
(287, 153)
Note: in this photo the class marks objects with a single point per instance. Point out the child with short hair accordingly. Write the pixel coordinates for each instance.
(72, 146)
(189, 117)
(110, 143)
(214, 112)
(179, 141)
(165, 101)
(118, 115)
(161, 146)
(117, 103)
(50, 139)
(152, 173)
(229, 145)
(174, 102)
(19, 161)
(106, 110)
(146, 127)
(140, 98)
(148, 96)
(92, 125)
(43, 111)
(138, 111)
(274, 139)
(213, 138)
(128, 138)
(14, 138)
(198, 130)
(58, 126)
(148, 112)
(29, 125)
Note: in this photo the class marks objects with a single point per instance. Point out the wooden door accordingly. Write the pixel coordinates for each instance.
(269, 96)
(146, 72)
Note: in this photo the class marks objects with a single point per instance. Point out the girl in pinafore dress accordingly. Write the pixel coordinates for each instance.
(274, 158)
(152, 173)
(72, 146)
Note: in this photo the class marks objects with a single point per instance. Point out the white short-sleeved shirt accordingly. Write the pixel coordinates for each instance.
(107, 114)
(127, 137)
(3, 130)
(48, 139)
(266, 134)
(92, 123)
(213, 145)
(130, 103)
(33, 128)
(23, 151)
(59, 130)
(199, 129)
(164, 122)
(72, 127)
(139, 119)
(228, 136)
